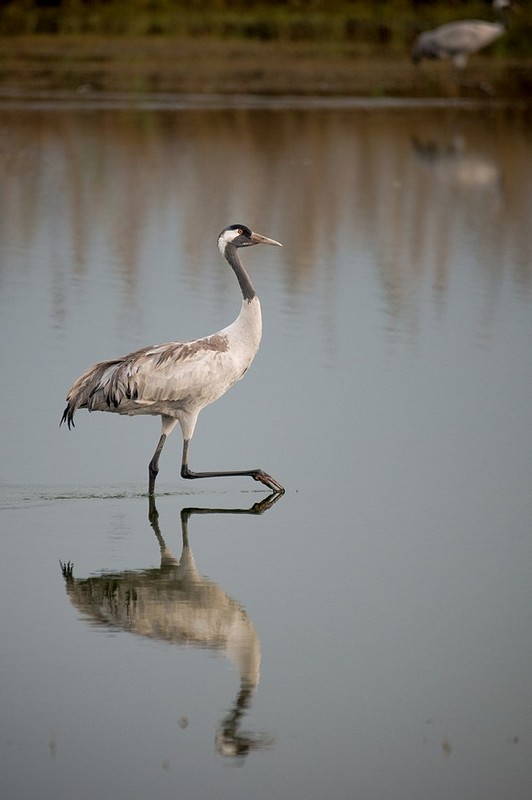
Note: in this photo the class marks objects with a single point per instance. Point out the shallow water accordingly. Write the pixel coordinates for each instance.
(369, 634)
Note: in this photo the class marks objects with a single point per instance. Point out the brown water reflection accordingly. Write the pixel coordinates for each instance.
(385, 180)
(391, 586)
(176, 604)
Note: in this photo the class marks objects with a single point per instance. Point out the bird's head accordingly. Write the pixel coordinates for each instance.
(242, 236)
(502, 7)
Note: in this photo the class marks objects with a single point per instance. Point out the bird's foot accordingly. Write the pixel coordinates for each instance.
(267, 480)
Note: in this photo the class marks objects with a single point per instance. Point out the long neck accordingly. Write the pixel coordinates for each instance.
(231, 256)
(502, 14)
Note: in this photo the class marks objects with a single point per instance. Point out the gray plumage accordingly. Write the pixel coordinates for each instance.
(176, 380)
(142, 380)
(459, 40)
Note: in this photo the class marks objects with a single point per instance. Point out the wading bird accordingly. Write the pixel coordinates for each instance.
(459, 40)
(178, 379)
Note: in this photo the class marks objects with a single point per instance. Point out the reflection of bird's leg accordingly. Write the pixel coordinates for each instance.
(257, 508)
(264, 505)
(167, 557)
(185, 515)
(153, 516)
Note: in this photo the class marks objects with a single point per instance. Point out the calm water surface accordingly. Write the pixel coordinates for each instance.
(367, 636)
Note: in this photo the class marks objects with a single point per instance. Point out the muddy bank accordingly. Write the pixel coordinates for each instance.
(163, 64)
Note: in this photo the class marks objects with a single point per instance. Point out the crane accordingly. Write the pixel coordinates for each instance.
(459, 40)
(177, 380)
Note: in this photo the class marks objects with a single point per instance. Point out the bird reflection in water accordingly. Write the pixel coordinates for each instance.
(453, 165)
(175, 603)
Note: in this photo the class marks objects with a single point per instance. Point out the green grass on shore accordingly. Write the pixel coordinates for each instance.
(375, 26)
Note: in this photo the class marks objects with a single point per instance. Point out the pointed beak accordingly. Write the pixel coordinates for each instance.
(257, 238)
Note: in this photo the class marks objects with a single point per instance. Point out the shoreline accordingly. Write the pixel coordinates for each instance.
(169, 65)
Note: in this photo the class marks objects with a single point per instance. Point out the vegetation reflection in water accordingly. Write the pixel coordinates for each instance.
(175, 603)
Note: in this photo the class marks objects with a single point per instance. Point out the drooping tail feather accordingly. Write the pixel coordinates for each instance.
(68, 417)
(85, 390)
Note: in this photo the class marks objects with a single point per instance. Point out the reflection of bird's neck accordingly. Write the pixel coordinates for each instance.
(243, 649)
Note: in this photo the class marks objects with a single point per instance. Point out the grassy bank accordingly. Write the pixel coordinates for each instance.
(291, 47)
(187, 65)
(384, 27)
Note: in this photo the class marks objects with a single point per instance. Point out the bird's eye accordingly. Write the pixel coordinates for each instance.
(240, 231)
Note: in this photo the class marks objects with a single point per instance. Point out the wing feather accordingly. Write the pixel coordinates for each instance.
(166, 373)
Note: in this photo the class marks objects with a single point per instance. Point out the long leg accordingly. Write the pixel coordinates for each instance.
(256, 474)
(153, 467)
